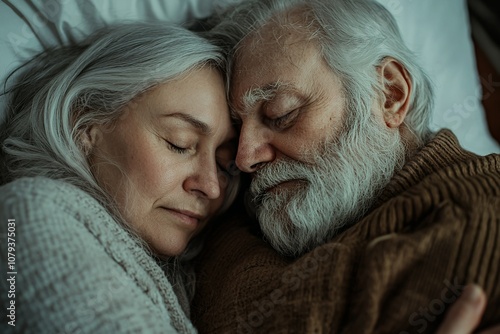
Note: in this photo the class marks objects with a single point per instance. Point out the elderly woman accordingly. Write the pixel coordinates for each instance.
(117, 153)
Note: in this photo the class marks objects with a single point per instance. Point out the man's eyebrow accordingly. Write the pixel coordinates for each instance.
(256, 95)
(204, 128)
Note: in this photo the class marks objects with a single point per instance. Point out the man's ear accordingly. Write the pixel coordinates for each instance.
(397, 87)
(89, 137)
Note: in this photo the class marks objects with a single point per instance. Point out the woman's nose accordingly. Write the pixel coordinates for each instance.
(205, 181)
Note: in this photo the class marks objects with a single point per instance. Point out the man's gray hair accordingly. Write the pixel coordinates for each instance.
(354, 36)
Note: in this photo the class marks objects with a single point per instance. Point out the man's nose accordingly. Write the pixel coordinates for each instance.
(254, 148)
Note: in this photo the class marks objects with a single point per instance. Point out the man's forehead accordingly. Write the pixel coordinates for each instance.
(270, 60)
(261, 78)
(274, 36)
(268, 54)
(296, 24)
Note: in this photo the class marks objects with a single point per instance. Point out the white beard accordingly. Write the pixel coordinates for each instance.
(342, 183)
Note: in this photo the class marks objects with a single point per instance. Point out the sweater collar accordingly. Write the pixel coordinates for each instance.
(441, 151)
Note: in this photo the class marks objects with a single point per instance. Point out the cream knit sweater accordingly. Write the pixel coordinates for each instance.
(78, 271)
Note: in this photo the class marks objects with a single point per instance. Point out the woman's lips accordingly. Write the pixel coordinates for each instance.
(186, 217)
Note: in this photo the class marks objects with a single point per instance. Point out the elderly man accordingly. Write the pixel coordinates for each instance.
(377, 222)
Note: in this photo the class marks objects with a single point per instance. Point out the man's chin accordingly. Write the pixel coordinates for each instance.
(281, 233)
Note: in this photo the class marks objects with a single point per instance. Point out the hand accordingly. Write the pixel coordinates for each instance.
(465, 315)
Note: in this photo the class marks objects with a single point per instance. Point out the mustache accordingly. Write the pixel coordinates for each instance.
(277, 172)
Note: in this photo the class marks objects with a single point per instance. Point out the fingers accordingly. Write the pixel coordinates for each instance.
(464, 316)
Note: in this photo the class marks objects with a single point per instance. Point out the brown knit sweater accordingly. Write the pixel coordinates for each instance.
(435, 228)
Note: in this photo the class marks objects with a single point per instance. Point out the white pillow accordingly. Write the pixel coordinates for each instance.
(27, 27)
(437, 31)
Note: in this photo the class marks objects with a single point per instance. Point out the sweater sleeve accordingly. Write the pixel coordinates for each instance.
(397, 282)
(407, 280)
(65, 282)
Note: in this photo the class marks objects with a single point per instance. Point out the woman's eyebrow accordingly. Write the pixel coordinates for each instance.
(202, 127)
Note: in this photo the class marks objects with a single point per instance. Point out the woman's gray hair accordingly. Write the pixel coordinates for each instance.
(354, 36)
(63, 91)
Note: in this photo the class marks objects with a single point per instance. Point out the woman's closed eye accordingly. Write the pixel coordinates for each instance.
(176, 148)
